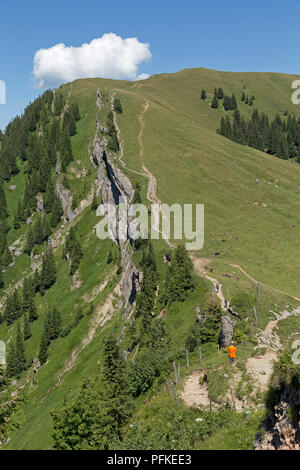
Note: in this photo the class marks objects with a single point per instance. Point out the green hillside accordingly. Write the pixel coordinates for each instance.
(252, 221)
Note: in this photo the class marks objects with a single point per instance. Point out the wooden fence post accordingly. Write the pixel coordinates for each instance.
(200, 356)
(232, 397)
(178, 374)
(174, 391)
(168, 386)
(175, 373)
(187, 358)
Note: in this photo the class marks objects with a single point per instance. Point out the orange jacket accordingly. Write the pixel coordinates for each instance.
(232, 350)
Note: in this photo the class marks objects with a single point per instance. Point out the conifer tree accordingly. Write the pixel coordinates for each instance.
(56, 212)
(43, 352)
(49, 197)
(215, 103)
(203, 95)
(38, 231)
(11, 365)
(119, 404)
(3, 205)
(26, 328)
(227, 103)
(220, 94)
(30, 240)
(118, 106)
(7, 257)
(48, 273)
(20, 351)
(46, 229)
(32, 311)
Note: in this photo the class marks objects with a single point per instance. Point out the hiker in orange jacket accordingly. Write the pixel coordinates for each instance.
(232, 353)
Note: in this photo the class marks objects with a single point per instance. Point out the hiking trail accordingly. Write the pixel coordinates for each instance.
(152, 184)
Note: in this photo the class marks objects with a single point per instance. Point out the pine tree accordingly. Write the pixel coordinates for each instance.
(227, 103)
(56, 212)
(7, 257)
(32, 311)
(11, 363)
(30, 240)
(54, 323)
(76, 256)
(118, 106)
(26, 328)
(203, 95)
(220, 94)
(43, 352)
(38, 231)
(46, 229)
(49, 197)
(118, 400)
(48, 273)
(3, 205)
(215, 103)
(243, 97)
(20, 351)
(74, 109)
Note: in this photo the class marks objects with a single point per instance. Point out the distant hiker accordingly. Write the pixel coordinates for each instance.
(232, 353)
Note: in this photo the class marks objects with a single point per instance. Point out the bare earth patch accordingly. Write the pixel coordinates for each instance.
(193, 393)
(260, 369)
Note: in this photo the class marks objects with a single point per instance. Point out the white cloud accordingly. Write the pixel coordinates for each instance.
(109, 56)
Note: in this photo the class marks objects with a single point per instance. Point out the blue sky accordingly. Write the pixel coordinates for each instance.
(235, 35)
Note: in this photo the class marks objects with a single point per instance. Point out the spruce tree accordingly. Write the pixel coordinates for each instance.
(32, 311)
(11, 363)
(3, 205)
(30, 241)
(7, 257)
(118, 106)
(56, 212)
(220, 94)
(119, 404)
(43, 352)
(48, 273)
(203, 95)
(215, 103)
(20, 351)
(26, 328)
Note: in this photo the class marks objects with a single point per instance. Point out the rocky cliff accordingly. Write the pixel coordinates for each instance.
(281, 430)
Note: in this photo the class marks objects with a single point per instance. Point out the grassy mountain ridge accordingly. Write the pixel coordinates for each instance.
(259, 223)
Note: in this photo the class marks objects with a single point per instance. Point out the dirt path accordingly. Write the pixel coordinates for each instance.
(194, 394)
(200, 266)
(258, 282)
(146, 173)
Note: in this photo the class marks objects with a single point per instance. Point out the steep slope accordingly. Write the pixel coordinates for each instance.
(170, 149)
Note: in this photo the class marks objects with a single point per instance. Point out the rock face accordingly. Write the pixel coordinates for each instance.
(39, 203)
(66, 201)
(99, 100)
(226, 333)
(113, 185)
(279, 431)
